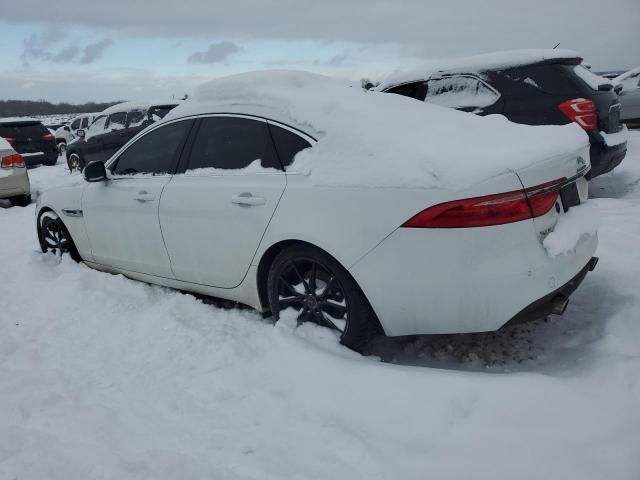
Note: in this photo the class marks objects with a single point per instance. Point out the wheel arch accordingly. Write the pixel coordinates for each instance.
(44, 209)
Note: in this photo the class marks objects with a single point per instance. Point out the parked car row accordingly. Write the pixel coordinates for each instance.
(361, 212)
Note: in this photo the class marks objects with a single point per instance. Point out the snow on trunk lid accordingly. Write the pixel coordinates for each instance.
(566, 175)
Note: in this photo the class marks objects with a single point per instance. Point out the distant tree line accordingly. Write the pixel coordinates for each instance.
(19, 108)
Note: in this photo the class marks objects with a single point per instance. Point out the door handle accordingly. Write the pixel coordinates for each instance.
(144, 196)
(246, 199)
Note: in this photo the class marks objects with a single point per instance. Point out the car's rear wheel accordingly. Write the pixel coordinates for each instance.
(321, 291)
(54, 236)
(62, 147)
(76, 164)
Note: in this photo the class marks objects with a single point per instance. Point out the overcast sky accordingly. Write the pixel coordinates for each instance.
(78, 51)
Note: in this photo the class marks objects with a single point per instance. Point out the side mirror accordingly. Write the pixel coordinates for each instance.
(95, 172)
(81, 133)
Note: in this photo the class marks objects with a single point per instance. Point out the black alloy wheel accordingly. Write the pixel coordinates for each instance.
(321, 291)
(54, 236)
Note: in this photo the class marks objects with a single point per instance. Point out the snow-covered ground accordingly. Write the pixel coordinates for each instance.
(104, 377)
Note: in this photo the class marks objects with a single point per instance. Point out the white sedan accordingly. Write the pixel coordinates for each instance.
(363, 213)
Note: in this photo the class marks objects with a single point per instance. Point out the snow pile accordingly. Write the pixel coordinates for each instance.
(613, 139)
(377, 139)
(253, 167)
(594, 81)
(477, 64)
(575, 225)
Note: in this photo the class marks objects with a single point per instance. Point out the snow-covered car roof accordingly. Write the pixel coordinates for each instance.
(126, 106)
(625, 75)
(377, 139)
(479, 63)
(19, 120)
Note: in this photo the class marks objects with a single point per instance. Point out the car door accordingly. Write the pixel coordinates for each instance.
(116, 135)
(216, 209)
(91, 149)
(630, 98)
(121, 214)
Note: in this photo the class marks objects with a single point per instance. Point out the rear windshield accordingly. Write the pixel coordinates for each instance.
(21, 129)
(530, 80)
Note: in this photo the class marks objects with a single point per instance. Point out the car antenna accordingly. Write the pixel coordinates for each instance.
(557, 45)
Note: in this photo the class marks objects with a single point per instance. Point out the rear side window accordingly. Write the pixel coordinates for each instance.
(116, 121)
(460, 91)
(532, 80)
(85, 122)
(417, 90)
(288, 144)
(232, 143)
(154, 153)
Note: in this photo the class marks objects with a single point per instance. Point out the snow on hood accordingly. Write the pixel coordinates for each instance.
(377, 139)
(478, 63)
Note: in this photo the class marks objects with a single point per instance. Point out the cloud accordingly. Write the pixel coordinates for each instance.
(36, 47)
(94, 51)
(217, 52)
(66, 55)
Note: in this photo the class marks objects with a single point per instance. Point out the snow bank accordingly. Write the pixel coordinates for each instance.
(477, 63)
(578, 223)
(377, 139)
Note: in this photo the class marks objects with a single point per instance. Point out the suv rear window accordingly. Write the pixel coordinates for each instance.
(22, 129)
(530, 80)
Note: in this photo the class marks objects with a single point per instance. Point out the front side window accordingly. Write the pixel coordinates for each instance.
(116, 121)
(232, 143)
(460, 91)
(288, 144)
(98, 125)
(155, 153)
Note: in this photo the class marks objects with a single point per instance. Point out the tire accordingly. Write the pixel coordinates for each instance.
(62, 148)
(75, 163)
(54, 236)
(20, 201)
(336, 301)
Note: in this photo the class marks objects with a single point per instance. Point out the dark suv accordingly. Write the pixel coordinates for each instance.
(531, 87)
(31, 139)
(111, 129)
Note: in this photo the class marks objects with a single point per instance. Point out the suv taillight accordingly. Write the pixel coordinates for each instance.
(48, 137)
(582, 111)
(490, 210)
(12, 161)
(10, 139)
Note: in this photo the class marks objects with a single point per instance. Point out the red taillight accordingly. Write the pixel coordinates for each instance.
(12, 161)
(10, 139)
(48, 138)
(582, 111)
(490, 210)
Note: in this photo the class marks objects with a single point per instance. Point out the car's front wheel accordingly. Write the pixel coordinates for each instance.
(75, 163)
(321, 291)
(54, 236)
(62, 147)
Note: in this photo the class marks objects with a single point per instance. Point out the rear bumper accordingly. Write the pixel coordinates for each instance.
(42, 158)
(429, 281)
(15, 184)
(555, 302)
(605, 158)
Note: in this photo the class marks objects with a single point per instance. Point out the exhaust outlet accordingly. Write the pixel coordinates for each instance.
(559, 304)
